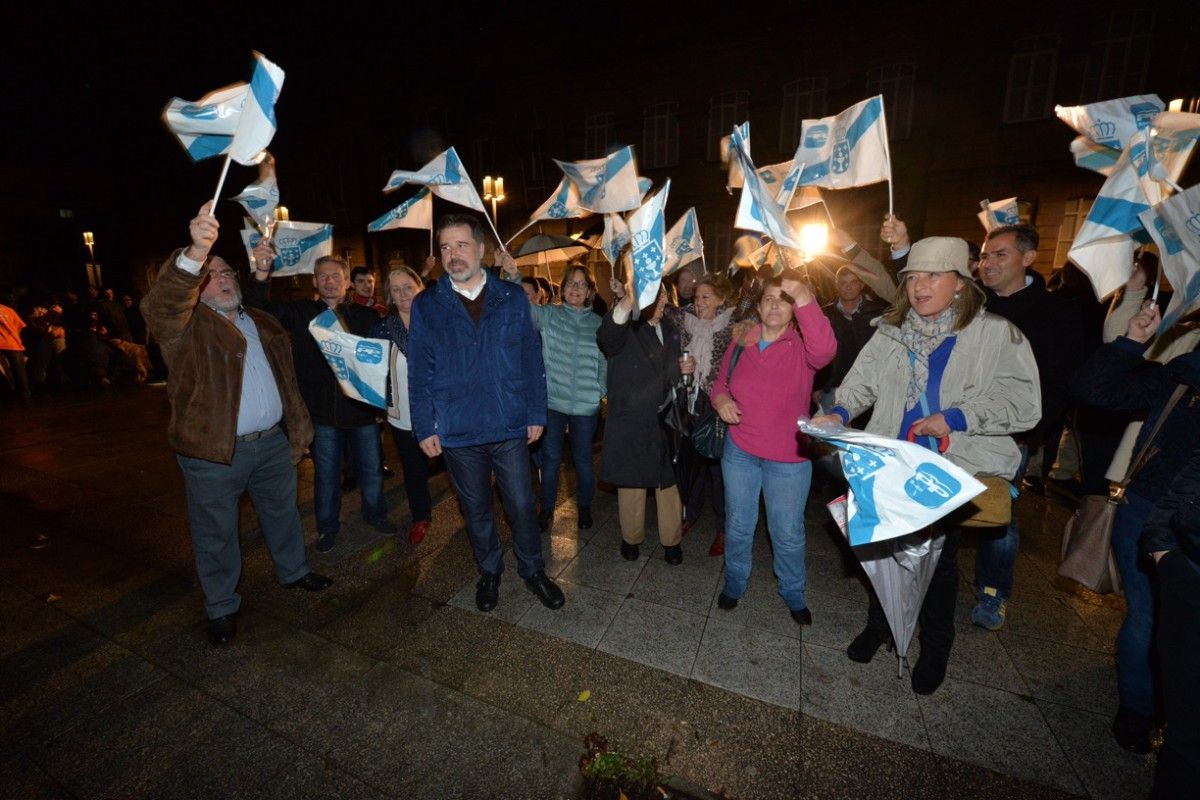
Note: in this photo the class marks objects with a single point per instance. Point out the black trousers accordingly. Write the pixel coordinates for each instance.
(936, 620)
(1178, 773)
(416, 474)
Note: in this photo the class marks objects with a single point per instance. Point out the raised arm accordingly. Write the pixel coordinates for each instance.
(170, 303)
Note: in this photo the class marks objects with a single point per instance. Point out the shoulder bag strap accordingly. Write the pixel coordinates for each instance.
(1139, 460)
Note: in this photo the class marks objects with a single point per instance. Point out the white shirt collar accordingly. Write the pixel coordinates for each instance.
(471, 294)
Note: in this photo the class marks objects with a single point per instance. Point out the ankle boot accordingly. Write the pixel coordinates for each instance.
(863, 648)
(930, 670)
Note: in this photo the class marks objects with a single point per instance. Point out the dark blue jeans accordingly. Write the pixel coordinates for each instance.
(471, 470)
(1137, 678)
(581, 430)
(327, 452)
(997, 554)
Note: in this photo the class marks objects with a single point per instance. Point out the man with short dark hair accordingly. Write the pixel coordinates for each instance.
(237, 423)
(477, 390)
(337, 420)
(363, 292)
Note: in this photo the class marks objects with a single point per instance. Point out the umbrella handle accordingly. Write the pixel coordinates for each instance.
(943, 441)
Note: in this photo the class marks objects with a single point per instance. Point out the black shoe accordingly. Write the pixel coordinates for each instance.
(349, 482)
(673, 555)
(387, 471)
(487, 592)
(929, 672)
(1133, 732)
(629, 552)
(802, 616)
(863, 648)
(544, 520)
(384, 527)
(725, 602)
(222, 629)
(312, 582)
(585, 519)
(546, 590)
(325, 542)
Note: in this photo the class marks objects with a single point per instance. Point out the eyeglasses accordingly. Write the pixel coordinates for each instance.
(222, 273)
(576, 285)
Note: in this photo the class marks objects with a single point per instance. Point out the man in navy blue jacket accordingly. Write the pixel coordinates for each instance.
(477, 390)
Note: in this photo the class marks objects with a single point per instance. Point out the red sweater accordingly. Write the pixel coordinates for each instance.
(773, 387)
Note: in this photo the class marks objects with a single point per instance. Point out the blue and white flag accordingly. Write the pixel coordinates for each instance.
(298, 245)
(359, 364)
(415, 212)
(896, 488)
(206, 126)
(1096, 157)
(615, 238)
(647, 231)
(563, 204)
(764, 205)
(260, 200)
(606, 185)
(445, 176)
(1154, 157)
(999, 214)
(257, 124)
(683, 243)
(1111, 123)
(849, 149)
(1174, 225)
(735, 179)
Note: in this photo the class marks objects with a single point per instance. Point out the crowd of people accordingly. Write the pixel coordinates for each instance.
(962, 348)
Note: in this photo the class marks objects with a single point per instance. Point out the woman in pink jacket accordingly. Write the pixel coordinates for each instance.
(768, 388)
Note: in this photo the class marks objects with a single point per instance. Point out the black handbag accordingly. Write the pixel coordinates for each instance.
(708, 431)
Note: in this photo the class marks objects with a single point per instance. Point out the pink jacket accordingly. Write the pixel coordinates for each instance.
(773, 387)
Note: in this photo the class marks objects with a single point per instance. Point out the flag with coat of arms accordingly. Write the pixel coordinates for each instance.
(360, 364)
(415, 212)
(846, 150)
(1106, 127)
(298, 245)
(683, 243)
(647, 231)
(1154, 158)
(764, 207)
(1174, 225)
(998, 214)
(445, 176)
(606, 185)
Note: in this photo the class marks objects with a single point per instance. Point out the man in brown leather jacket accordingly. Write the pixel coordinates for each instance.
(237, 421)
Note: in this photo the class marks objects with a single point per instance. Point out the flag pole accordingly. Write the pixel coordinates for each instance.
(431, 239)
(220, 183)
(528, 225)
(887, 148)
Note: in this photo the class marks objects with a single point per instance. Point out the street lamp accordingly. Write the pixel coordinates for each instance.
(281, 214)
(93, 271)
(493, 190)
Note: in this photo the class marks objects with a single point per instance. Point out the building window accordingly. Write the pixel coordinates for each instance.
(802, 99)
(1122, 56)
(724, 111)
(1031, 72)
(537, 155)
(483, 157)
(660, 135)
(1074, 214)
(597, 132)
(718, 246)
(895, 82)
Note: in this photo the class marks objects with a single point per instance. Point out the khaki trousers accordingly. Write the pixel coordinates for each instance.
(631, 506)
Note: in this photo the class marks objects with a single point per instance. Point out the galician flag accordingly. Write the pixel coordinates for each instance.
(1155, 156)
(359, 364)
(298, 245)
(683, 243)
(615, 238)
(647, 230)
(606, 185)
(998, 214)
(728, 157)
(764, 208)
(1107, 127)
(1096, 157)
(415, 212)
(563, 204)
(445, 176)
(259, 200)
(257, 125)
(849, 149)
(1174, 225)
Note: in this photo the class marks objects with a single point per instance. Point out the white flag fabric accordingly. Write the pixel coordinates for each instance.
(896, 487)
(298, 245)
(647, 230)
(359, 364)
(445, 176)
(735, 179)
(205, 127)
(257, 124)
(683, 243)
(615, 238)
(563, 204)
(1112, 123)
(1174, 225)
(1104, 247)
(849, 149)
(999, 213)
(260, 199)
(415, 212)
(606, 185)
(1096, 157)
(763, 211)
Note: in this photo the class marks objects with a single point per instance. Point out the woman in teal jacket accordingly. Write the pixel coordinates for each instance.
(575, 380)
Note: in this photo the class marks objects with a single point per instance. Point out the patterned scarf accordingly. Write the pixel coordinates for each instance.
(922, 336)
(701, 334)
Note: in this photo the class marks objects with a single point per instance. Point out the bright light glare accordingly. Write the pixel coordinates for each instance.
(814, 237)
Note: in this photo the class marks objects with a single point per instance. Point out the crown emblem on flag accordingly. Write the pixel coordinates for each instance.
(1193, 224)
(641, 239)
(1103, 129)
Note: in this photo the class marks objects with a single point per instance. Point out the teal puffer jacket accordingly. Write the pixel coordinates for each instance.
(575, 367)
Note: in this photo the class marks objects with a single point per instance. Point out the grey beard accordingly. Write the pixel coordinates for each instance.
(224, 307)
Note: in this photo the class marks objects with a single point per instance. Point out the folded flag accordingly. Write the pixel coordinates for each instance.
(999, 214)
(415, 212)
(298, 245)
(615, 238)
(606, 185)
(1096, 157)
(848, 149)
(683, 243)
(761, 207)
(359, 364)
(445, 176)
(1174, 225)
(647, 231)
(259, 200)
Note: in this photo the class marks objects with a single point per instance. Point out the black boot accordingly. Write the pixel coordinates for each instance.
(864, 646)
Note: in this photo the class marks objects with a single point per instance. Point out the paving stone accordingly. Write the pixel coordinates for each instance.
(750, 661)
(1108, 772)
(656, 635)
(584, 617)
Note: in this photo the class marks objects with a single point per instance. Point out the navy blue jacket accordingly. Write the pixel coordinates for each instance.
(474, 384)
